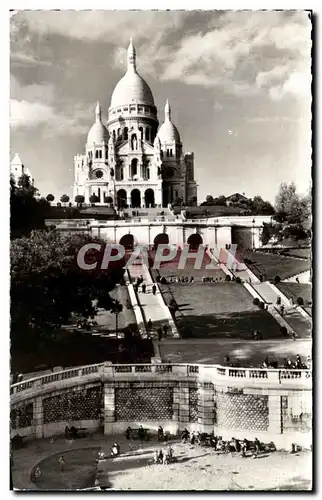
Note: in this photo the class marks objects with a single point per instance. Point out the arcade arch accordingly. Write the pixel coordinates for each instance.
(135, 198)
(194, 241)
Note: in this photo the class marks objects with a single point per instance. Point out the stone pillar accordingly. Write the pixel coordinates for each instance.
(206, 404)
(274, 414)
(183, 410)
(109, 408)
(38, 417)
(109, 398)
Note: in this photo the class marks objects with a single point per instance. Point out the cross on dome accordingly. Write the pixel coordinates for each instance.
(98, 112)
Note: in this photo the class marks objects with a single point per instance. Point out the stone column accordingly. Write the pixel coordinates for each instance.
(109, 408)
(183, 401)
(206, 404)
(274, 414)
(38, 417)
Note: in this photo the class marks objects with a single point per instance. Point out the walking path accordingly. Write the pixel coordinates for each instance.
(152, 305)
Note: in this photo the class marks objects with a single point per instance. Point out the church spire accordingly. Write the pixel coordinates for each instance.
(131, 56)
(98, 112)
(167, 111)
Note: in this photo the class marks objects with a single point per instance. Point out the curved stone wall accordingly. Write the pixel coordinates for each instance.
(241, 402)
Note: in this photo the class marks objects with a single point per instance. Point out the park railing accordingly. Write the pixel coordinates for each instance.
(202, 373)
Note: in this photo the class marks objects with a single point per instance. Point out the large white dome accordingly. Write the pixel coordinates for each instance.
(132, 87)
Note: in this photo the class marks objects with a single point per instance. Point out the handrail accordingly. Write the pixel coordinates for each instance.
(279, 375)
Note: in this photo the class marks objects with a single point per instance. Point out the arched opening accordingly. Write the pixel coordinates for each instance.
(121, 198)
(114, 135)
(194, 241)
(135, 198)
(134, 167)
(147, 134)
(149, 198)
(141, 132)
(133, 142)
(125, 133)
(127, 241)
(161, 239)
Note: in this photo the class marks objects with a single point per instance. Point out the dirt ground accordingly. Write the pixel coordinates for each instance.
(196, 468)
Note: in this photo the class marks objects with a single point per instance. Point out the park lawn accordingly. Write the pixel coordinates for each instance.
(271, 265)
(295, 290)
(198, 274)
(221, 310)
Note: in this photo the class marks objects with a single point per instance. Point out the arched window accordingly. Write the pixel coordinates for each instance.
(170, 152)
(90, 155)
(98, 153)
(148, 173)
(118, 132)
(125, 133)
(134, 167)
(147, 134)
(161, 154)
(167, 153)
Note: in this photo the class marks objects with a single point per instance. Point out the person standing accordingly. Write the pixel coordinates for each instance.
(143, 287)
(154, 289)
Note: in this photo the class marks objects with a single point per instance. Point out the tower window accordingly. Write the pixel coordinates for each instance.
(98, 153)
(114, 135)
(147, 134)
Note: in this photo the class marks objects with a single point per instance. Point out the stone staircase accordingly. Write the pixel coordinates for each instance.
(152, 306)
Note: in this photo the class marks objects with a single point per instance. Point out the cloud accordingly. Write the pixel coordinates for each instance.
(24, 114)
(44, 93)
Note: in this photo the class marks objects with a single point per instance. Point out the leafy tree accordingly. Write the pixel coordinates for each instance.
(26, 212)
(261, 207)
(209, 199)
(109, 199)
(64, 198)
(290, 206)
(48, 286)
(79, 199)
(94, 199)
(220, 201)
(50, 197)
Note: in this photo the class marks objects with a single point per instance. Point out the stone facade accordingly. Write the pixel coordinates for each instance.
(240, 402)
(132, 161)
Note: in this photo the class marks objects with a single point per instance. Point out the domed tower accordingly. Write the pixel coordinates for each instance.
(92, 173)
(132, 125)
(177, 168)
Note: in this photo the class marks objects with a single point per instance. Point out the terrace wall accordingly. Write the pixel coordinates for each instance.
(265, 403)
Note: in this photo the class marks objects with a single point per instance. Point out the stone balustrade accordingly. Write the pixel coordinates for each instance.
(271, 404)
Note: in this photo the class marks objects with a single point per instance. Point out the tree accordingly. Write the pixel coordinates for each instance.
(64, 198)
(48, 286)
(109, 200)
(116, 309)
(261, 207)
(220, 201)
(290, 206)
(50, 198)
(79, 199)
(94, 199)
(209, 199)
(26, 212)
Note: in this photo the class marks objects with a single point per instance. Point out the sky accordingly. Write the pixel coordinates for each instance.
(238, 82)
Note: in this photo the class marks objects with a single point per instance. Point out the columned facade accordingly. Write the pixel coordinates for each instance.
(132, 161)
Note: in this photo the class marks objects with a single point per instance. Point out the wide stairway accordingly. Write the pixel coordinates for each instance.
(152, 306)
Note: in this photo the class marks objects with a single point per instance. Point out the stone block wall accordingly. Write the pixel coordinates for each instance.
(242, 411)
(78, 404)
(144, 402)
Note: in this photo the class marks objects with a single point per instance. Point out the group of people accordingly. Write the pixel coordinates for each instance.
(114, 452)
(218, 444)
(297, 364)
(140, 281)
(164, 456)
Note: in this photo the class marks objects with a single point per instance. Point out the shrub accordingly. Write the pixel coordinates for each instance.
(300, 301)
(283, 330)
(261, 305)
(238, 280)
(256, 301)
(227, 278)
(277, 279)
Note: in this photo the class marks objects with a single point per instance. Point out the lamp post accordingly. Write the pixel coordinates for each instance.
(253, 234)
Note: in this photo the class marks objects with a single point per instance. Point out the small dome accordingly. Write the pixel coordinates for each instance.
(98, 133)
(131, 87)
(168, 132)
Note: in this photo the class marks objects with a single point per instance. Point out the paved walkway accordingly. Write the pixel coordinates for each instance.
(152, 306)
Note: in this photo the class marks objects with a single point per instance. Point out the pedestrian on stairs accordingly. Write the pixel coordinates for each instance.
(154, 289)
(143, 287)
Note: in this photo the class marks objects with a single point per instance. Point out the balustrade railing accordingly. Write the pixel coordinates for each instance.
(278, 376)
